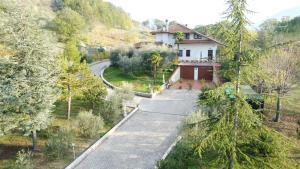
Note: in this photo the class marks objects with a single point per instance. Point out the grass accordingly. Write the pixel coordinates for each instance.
(12, 143)
(140, 83)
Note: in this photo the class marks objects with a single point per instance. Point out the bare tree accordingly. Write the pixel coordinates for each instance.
(280, 66)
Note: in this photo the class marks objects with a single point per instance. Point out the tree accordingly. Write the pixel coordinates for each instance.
(70, 77)
(155, 62)
(179, 36)
(280, 65)
(68, 23)
(94, 91)
(236, 14)
(211, 131)
(28, 86)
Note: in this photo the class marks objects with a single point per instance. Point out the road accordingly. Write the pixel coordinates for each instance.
(144, 138)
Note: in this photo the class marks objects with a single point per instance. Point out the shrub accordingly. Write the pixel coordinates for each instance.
(58, 145)
(101, 56)
(88, 124)
(24, 160)
(115, 57)
(130, 65)
(112, 109)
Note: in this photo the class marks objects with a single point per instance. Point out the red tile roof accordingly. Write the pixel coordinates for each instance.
(176, 27)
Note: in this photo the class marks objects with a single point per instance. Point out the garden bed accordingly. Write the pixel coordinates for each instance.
(140, 82)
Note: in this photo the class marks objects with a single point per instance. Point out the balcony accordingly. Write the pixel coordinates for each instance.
(199, 61)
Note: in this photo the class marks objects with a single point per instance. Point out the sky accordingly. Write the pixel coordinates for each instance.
(203, 12)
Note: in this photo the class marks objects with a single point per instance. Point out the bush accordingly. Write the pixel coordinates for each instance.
(130, 65)
(88, 124)
(115, 57)
(58, 145)
(101, 56)
(112, 109)
(141, 58)
(23, 160)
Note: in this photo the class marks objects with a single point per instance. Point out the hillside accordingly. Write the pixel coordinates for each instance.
(105, 24)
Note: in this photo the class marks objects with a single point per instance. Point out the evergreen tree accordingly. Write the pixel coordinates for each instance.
(28, 81)
(211, 132)
(71, 80)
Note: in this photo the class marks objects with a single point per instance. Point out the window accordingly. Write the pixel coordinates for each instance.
(187, 36)
(188, 53)
(180, 53)
(210, 54)
(197, 36)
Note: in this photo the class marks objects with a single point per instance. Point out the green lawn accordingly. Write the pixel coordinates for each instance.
(140, 83)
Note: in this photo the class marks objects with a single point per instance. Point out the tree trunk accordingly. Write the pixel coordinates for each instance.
(34, 140)
(230, 160)
(154, 75)
(69, 101)
(236, 113)
(278, 107)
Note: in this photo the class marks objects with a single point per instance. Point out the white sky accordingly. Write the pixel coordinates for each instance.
(199, 12)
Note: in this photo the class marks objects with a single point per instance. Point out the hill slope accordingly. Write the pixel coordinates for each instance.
(106, 24)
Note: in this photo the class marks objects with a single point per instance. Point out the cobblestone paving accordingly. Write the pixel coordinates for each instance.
(142, 140)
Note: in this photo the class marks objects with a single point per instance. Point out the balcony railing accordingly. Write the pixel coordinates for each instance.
(200, 60)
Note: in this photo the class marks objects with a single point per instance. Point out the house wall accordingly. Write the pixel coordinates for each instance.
(166, 38)
(197, 50)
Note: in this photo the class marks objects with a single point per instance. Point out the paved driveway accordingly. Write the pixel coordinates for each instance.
(142, 140)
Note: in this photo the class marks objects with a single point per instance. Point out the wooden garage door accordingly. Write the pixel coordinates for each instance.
(187, 72)
(205, 72)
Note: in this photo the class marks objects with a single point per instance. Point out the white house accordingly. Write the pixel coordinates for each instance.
(197, 53)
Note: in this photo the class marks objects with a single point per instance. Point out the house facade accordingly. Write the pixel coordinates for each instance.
(197, 53)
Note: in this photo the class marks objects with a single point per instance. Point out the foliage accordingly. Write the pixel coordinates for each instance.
(68, 23)
(156, 25)
(155, 62)
(128, 59)
(125, 92)
(88, 125)
(70, 80)
(182, 156)
(94, 91)
(130, 66)
(111, 110)
(101, 56)
(59, 144)
(24, 160)
(280, 66)
(104, 12)
(179, 36)
(256, 145)
(29, 79)
(115, 56)
(217, 30)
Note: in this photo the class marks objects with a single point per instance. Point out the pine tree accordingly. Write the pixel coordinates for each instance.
(28, 80)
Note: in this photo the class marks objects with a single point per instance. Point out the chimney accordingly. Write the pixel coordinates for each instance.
(186, 25)
(167, 25)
